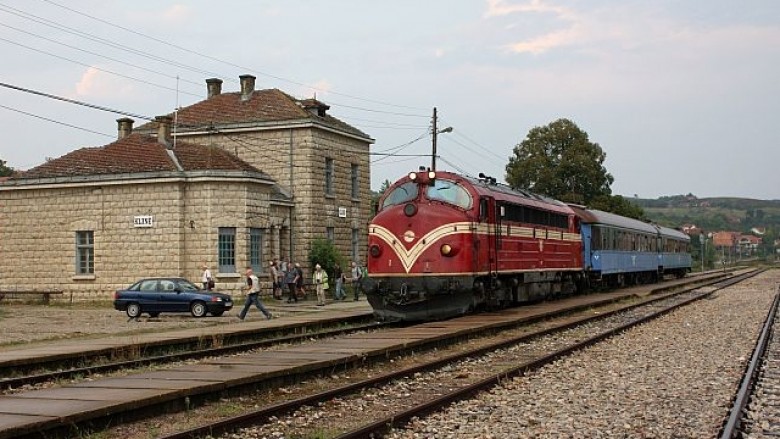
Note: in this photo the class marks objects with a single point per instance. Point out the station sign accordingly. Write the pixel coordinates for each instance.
(143, 221)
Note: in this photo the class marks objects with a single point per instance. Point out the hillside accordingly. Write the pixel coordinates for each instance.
(713, 214)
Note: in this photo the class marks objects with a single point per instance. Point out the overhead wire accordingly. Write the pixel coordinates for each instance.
(279, 78)
(388, 125)
(54, 121)
(97, 68)
(104, 41)
(73, 101)
(51, 40)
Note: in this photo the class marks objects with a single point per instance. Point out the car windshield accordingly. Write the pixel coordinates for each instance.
(187, 286)
(449, 192)
(401, 194)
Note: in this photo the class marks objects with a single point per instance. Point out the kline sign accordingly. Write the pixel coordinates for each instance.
(143, 221)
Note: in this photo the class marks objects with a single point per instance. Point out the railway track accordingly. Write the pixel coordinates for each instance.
(756, 409)
(36, 371)
(426, 387)
(190, 399)
(104, 366)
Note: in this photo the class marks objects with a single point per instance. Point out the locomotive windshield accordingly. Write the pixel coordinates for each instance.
(401, 194)
(449, 192)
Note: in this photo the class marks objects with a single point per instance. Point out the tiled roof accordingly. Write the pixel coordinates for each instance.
(138, 153)
(271, 105)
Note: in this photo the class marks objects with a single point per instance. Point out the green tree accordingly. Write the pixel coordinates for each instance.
(326, 254)
(559, 161)
(5, 171)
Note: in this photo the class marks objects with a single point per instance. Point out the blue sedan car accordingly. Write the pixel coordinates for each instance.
(172, 294)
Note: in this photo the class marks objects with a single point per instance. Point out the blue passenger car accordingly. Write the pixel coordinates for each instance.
(623, 251)
(674, 252)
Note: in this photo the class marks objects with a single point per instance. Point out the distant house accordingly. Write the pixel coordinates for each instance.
(725, 239)
(758, 231)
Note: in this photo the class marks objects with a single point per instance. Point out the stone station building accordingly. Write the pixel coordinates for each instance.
(239, 179)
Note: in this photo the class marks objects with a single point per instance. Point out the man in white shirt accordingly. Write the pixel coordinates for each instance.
(253, 296)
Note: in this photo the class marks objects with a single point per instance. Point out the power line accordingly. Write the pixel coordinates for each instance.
(88, 36)
(96, 68)
(460, 133)
(73, 101)
(95, 53)
(100, 40)
(55, 121)
(279, 78)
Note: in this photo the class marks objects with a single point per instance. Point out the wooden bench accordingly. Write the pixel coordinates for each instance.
(45, 294)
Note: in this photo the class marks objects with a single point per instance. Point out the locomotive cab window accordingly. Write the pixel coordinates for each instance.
(401, 194)
(449, 192)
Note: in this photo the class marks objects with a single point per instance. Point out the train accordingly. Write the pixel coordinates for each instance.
(443, 244)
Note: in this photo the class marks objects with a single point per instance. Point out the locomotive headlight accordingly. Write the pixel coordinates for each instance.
(413, 176)
(448, 250)
(431, 175)
(375, 250)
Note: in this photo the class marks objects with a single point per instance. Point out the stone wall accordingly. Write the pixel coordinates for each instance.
(38, 232)
(295, 159)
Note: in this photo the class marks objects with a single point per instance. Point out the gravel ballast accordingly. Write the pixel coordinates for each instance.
(671, 378)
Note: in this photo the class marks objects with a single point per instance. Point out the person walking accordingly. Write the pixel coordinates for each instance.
(357, 274)
(208, 281)
(320, 280)
(253, 296)
(339, 293)
(291, 279)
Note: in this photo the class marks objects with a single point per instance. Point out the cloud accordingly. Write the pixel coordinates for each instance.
(546, 42)
(177, 13)
(497, 8)
(97, 84)
(570, 35)
(319, 88)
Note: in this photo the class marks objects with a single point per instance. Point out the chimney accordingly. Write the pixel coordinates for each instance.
(125, 127)
(164, 130)
(214, 87)
(247, 86)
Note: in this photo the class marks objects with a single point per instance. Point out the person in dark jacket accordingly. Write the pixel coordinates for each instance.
(291, 279)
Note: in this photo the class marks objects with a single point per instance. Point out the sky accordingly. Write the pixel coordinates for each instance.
(682, 96)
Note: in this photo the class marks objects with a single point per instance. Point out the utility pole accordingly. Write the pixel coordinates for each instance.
(434, 132)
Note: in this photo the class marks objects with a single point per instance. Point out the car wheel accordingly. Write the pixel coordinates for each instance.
(133, 310)
(154, 314)
(198, 309)
(217, 313)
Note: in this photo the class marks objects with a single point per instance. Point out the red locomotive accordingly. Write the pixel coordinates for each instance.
(443, 244)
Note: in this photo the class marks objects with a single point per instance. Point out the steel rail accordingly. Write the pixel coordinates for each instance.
(257, 416)
(15, 382)
(731, 429)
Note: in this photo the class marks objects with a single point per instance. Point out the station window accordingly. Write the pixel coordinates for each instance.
(330, 234)
(226, 248)
(328, 176)
(85, 252)
(256, 249)
(355, 181)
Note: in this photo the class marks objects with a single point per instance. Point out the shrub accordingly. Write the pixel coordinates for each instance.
(326, 254)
